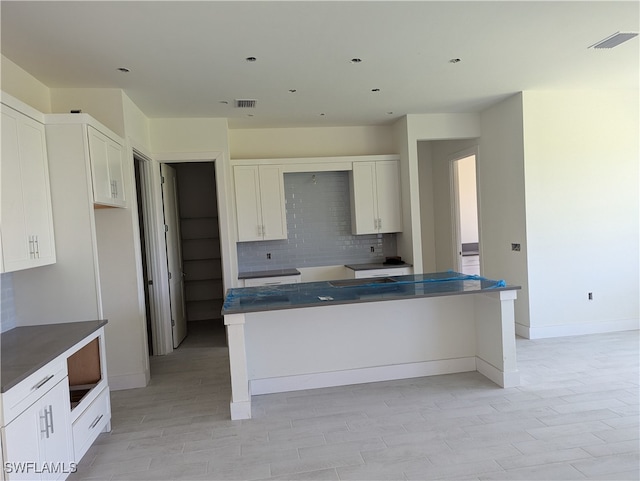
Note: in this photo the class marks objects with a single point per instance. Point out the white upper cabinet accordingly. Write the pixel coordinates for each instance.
(375, 197)
(260, 203)
(26, 220)
(106, 169)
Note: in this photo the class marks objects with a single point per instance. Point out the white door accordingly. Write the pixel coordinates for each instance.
(174, 253)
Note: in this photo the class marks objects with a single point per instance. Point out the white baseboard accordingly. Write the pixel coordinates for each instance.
(360, 376)
(503, 379)
(577, 329)
(240, 410)
(128, 381)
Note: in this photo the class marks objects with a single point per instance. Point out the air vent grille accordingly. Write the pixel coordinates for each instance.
(614, 40)
(245, 103)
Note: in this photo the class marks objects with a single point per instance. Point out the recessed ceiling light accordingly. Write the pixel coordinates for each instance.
(375, 90)
(356, 60)
(249, 115)
(455, 60)
(614, 40)
(251, 59)
(389, 113)
(124, 69)
(224, 102)
(321, 115)
(293, 91)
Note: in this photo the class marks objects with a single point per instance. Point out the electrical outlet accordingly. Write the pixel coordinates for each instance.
(268, 255)
(373, 249)
(590, 295)
(515, 247)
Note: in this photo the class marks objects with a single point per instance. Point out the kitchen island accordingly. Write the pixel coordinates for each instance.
(319, 334)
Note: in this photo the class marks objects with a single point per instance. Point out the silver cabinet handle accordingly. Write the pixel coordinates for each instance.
(50, 425)
(95, 423)
(37, 244)
(43, 382)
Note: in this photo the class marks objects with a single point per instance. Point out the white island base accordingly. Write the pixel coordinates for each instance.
(332, 345)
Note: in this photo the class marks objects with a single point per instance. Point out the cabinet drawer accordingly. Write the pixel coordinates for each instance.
(384, 272)
(272, 281)
(90, 423)
(17, 399)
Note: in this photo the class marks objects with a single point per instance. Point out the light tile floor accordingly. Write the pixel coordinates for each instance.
(574, 417)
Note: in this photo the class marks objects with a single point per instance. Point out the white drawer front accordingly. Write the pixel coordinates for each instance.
(272, 281)
(28, 391)
(90, 423)
(384, 272)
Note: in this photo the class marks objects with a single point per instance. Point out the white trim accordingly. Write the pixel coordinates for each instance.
(361, 376)
(564, 330)
(240, 410)
(502, 379)
(299, 161)
(176, 157)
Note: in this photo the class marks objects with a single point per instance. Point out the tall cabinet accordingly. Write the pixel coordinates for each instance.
(27, 235)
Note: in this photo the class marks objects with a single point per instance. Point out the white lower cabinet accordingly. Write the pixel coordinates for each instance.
(272, 281)
(52, 417)
(38, 442)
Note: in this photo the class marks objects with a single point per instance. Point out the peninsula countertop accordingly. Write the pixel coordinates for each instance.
(26, 349)
(313, 294)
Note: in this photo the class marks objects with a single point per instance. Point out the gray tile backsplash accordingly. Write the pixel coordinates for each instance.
(319, 229)
(7, 306)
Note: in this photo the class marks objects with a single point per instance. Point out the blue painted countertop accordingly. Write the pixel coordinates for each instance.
(312, 294)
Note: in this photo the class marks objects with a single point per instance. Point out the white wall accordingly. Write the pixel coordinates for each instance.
(104, 105)
(581, 181)
(22, 85)
(189, 135)
(428, 226)
(501, 195)
(310, 142)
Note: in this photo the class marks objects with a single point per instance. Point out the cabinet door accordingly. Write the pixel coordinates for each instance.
(115, 160)
(388, 191)
(98, 153)
(248, 209)
(106, 157)
(27, 221)
(40, 438)
(274, 218)
(364, 218)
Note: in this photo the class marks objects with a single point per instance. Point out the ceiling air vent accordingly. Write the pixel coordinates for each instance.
(245, 103)
(614, 40)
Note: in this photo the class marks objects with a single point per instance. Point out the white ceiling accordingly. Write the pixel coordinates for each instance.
(188, 57)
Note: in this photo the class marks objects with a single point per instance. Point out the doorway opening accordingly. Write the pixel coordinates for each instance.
(199, 251)
(466, 235)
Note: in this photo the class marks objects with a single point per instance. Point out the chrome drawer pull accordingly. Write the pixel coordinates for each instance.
(43, 382)
(95, 423)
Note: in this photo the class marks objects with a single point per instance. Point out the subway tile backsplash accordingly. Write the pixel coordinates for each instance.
(319, 229)
(7, 305)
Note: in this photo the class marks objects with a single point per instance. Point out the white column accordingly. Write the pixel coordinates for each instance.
(240, 397)
(496, 337)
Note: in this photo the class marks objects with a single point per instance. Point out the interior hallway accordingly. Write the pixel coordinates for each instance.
(574, 417)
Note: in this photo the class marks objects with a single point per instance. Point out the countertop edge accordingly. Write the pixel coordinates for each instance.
(92, 326)
(248, 310)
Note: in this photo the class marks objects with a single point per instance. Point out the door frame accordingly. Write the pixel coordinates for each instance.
(456, 244)
(161, 331)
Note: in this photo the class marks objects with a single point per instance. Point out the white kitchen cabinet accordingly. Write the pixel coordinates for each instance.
(107, 173)
(382, 272)
(38, 441)
(272, 281)
(51, 417)
(260, 203)
(375, 197)
(27, 236)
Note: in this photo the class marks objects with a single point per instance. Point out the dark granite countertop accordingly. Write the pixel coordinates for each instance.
(315, 294)
(26, 349)
(379, 265)
(272, 273)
